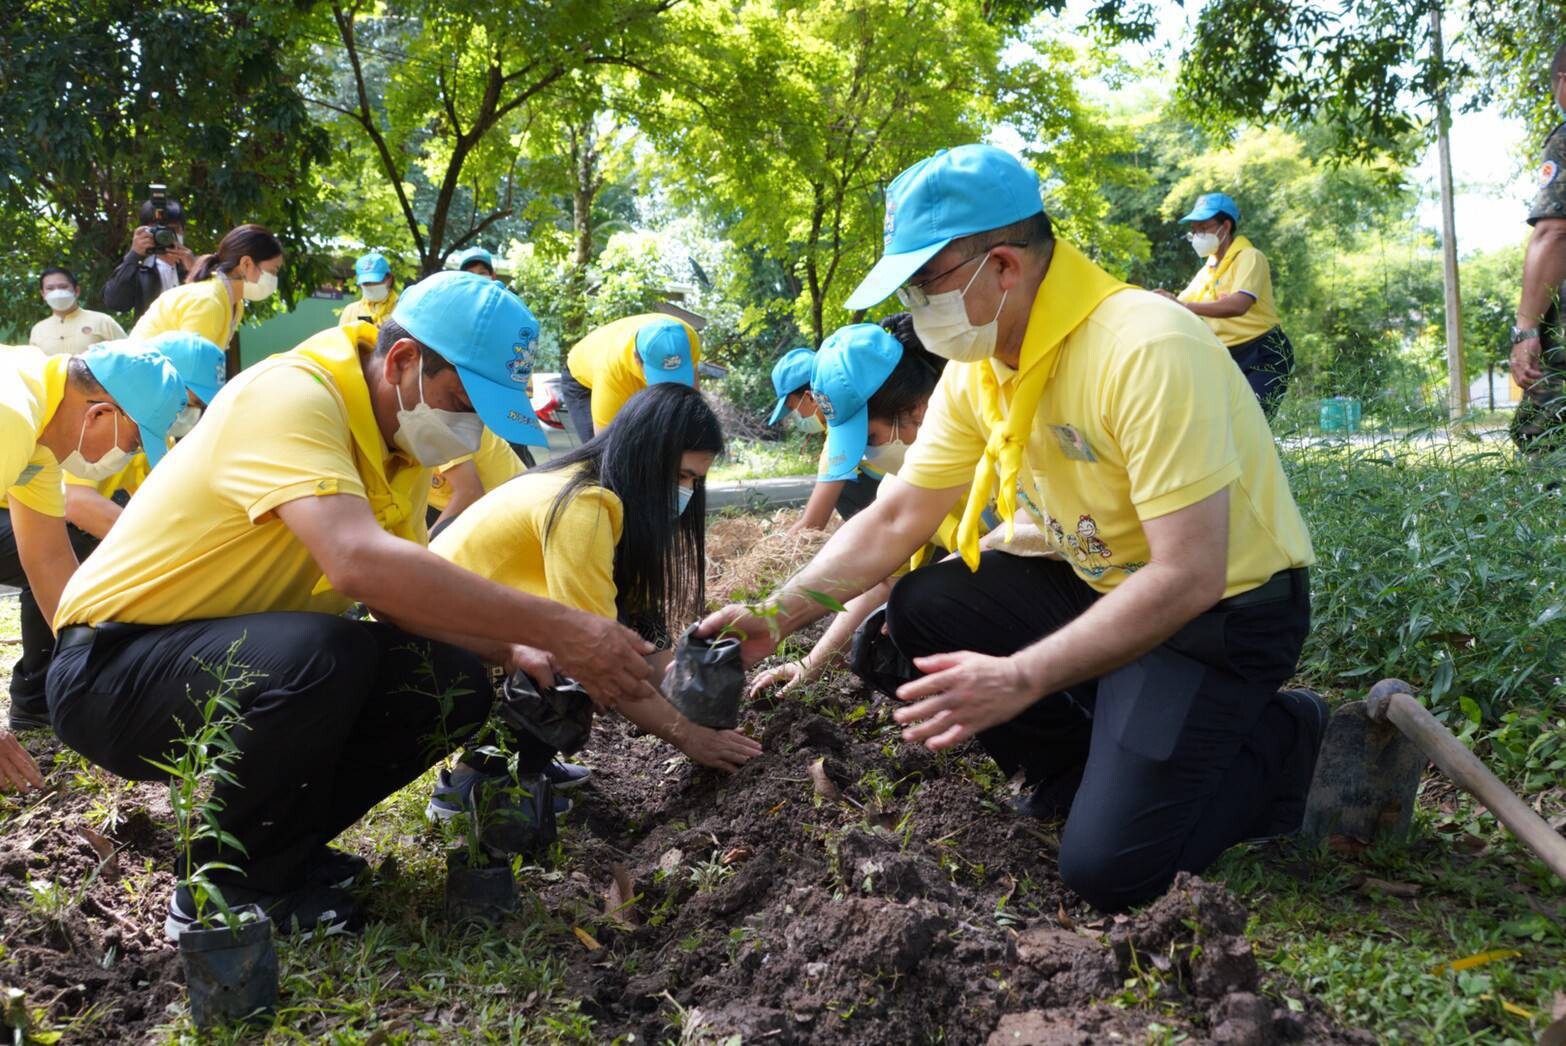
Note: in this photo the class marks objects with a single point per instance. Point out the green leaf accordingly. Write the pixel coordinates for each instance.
(825, 600)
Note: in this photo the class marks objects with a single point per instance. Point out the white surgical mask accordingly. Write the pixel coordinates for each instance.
(184, 421)
(60, 299)
(808, 422)
(262, 289)
(111, 462)
(1205, 244)
(685, 495)
(375, 291)
(434, 437)
(942, 324)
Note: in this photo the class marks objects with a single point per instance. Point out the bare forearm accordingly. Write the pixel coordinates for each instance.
(89, 510)
(1236, 304)
(840, 632)
(818, 510)
(658, 717)
(1544, 267)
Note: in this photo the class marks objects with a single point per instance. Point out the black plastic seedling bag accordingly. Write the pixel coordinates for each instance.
(876, 659)
(561, 716)
(707, 680)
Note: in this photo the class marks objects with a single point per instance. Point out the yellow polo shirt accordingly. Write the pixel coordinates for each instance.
(201, 308)
(606, 362)
(363, 311)
(1243, 269)
(504, 536)
(496, 463)
(1145, 414)
(74, 333)
(31, 388)
(201, 538)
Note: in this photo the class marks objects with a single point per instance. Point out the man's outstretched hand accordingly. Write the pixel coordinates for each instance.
(963, 694)
(18, 772)
(758, 635)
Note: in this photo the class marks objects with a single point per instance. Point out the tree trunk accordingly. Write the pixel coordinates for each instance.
(584, 190)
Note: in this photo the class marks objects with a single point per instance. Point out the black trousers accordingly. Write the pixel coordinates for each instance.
(858, 494)
(578, 399)
(337, 715)
(1266, 362)
(27, 675)
(1180, 752)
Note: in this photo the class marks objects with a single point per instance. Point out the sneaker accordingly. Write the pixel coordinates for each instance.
(335, 868)
(565, 776)
(310, 911)
(1050, 799)
(453, 795)
(1286, 813)
(27, 719)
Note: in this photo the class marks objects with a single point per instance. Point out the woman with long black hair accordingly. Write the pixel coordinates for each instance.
(617, 528)
(212, 302)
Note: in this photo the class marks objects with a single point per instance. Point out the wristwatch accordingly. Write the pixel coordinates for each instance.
(1524, 334)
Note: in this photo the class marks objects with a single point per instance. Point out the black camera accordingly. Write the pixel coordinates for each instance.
(163, 235)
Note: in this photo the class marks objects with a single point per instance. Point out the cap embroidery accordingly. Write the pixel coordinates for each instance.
(825, 404)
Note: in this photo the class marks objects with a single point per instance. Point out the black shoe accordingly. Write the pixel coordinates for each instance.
(335, 868)
(1050, 799)
(1287, 811)
(566, 776)
(310, 911)
(27, 719)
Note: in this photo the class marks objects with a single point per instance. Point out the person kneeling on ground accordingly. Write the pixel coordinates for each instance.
(615, 528)
(302, 492)
(616, 361)
(1133, 678)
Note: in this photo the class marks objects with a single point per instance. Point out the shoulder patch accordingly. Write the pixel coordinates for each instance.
(1547, 172)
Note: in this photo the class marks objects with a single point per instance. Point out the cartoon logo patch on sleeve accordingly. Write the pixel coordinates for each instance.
(1548, 172)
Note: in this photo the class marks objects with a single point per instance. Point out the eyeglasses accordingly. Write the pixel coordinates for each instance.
(912, 294)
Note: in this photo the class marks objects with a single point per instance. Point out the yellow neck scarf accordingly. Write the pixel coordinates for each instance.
(1073, 287)
(1209, 291)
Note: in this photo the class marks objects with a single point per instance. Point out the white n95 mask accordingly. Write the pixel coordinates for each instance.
(1205, 244)
(60, 300)
(433, 437)
(376, 292)
(942, 324)
(263, 288)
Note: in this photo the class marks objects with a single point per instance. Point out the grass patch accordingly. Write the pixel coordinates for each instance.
(793, 455)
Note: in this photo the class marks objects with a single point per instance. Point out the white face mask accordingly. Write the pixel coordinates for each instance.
(888, 456)
(60, 299)
(375, 291)
(434, 437)
(262, 289)
(111, 462)
(942, 324)
(808, 422)
(184, 421)
(1205, 244)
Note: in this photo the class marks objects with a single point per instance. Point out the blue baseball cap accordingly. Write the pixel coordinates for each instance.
(956, 192)
(1211, 205)
(200, 364)
(486, 332)
(371, 268)
(789, 375)
(664, 347)
(144, 384)
(851, 366)
(474, 254)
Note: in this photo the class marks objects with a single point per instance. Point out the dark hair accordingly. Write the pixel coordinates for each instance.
(392, 332)
(172, 212)
(467, 266)
(660, 564)
(1036, 232)
(914, 377)
(1558, 65)
(255, 242)
(55, 270)
(1227, 217)
(79, 374)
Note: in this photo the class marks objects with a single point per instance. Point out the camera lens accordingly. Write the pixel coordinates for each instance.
(163, 236)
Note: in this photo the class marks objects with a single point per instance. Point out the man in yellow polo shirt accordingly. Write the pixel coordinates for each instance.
(1132, 674)
(377, 291)
(1232, 293)
(301, 492)
(620, 359)
(69, 329)
(86, 415)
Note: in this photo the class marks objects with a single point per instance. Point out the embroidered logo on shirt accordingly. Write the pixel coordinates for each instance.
(1073, 444)
(1547, 172)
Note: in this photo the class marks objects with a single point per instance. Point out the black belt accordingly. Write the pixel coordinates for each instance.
(76, 635)
(1275, 589)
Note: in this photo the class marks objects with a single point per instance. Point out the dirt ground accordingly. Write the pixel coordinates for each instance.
(843, 888)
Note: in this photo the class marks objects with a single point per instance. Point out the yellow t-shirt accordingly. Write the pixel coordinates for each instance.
(201, 308)
(74, 333)
(363, 311)
(495, 460)
(1145, 414)
(1243, 269)
(606, 362)
(31, 388)
(502, 537)
(201, 539)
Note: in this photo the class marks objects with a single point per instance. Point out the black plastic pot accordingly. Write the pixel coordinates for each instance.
(231, 973)
(707, 680)
(478, 893)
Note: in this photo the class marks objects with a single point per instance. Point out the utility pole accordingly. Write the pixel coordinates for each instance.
(1456, 381)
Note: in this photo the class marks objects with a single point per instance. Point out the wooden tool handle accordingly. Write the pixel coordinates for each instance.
(1393, 700)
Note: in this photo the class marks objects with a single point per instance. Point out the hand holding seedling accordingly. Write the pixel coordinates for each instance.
(608, 659)
(960, 695)
(757, 630)
(18, 772)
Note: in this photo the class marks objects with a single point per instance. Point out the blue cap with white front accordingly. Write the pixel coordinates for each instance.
(144, 384)
(789, 375)
(956, 192)
(664, 347)
(474, 254)
(851, 367)
(486, 332)
(1211, 205)
(371, 268)
(201, 364)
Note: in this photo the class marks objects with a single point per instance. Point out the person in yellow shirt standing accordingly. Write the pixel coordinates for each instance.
(1232, 293)
(243, 268)
(620, 359)
(85, 415)
(299, 494)
(70, 329)
(1132, 675)
(377, 290)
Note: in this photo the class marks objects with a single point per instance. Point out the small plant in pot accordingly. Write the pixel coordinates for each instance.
(229, 960)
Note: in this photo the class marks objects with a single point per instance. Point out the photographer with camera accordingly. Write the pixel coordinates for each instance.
(158, 259)
(243, 269)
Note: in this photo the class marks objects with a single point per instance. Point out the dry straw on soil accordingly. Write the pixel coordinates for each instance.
(748, 556)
